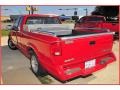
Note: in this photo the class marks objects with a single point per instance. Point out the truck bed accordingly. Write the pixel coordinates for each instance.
(63, 30)
(77, 33)
(67, 33)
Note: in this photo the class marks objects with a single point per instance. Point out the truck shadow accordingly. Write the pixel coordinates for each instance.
(77, 80)
(50, 79)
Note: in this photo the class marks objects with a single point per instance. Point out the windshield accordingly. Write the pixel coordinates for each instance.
(42, 20)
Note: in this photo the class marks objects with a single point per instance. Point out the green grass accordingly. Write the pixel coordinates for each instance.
(5, 32)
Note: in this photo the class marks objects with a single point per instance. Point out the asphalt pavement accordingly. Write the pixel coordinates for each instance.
(16, 70)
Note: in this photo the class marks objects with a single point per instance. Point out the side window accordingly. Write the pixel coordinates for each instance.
(20, 21)
(16, 22)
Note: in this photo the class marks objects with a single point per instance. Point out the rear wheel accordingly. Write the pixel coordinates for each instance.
(11, 45)
(35, 65)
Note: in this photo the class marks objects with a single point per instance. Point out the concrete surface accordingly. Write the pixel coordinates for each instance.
(16, 70)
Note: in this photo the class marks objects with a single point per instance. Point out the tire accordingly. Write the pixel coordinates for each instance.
(11, 45)
(37, 69)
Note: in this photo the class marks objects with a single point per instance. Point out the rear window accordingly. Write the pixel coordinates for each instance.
(95, 19)
(42, 20)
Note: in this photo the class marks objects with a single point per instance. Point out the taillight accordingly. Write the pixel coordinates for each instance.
(72, 70)
(55, 49)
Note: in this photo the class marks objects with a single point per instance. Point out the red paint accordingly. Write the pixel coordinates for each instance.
(73, 53)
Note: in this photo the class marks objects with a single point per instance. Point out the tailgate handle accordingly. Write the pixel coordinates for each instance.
(92, 42)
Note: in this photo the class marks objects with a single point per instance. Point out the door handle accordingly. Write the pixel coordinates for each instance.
(92, 43)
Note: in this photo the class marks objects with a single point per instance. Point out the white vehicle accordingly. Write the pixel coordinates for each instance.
(9, 27)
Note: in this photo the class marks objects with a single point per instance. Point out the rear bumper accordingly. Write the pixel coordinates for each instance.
(100, 64)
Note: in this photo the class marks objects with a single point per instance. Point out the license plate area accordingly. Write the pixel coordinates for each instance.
(90, 63)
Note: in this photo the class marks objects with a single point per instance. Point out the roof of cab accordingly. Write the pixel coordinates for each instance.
(43, 15)
(94, 16)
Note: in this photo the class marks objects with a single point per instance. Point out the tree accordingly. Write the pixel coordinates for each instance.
(108, 11)
(63, 15)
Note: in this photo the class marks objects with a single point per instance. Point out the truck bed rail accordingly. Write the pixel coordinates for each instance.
(81, 36)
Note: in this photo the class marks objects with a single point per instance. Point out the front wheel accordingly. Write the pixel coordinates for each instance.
(11, 45)
(36, 67)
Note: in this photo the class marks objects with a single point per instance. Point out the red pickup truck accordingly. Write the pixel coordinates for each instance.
(95, 21)
(58, 50)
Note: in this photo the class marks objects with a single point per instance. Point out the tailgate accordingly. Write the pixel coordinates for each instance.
(87, 47)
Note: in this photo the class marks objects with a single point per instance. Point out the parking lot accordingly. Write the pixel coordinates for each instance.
(16, 70)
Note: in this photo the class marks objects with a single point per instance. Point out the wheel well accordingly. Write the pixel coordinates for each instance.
(30, 51)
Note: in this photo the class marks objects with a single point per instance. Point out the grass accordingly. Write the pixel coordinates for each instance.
(5, 32)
